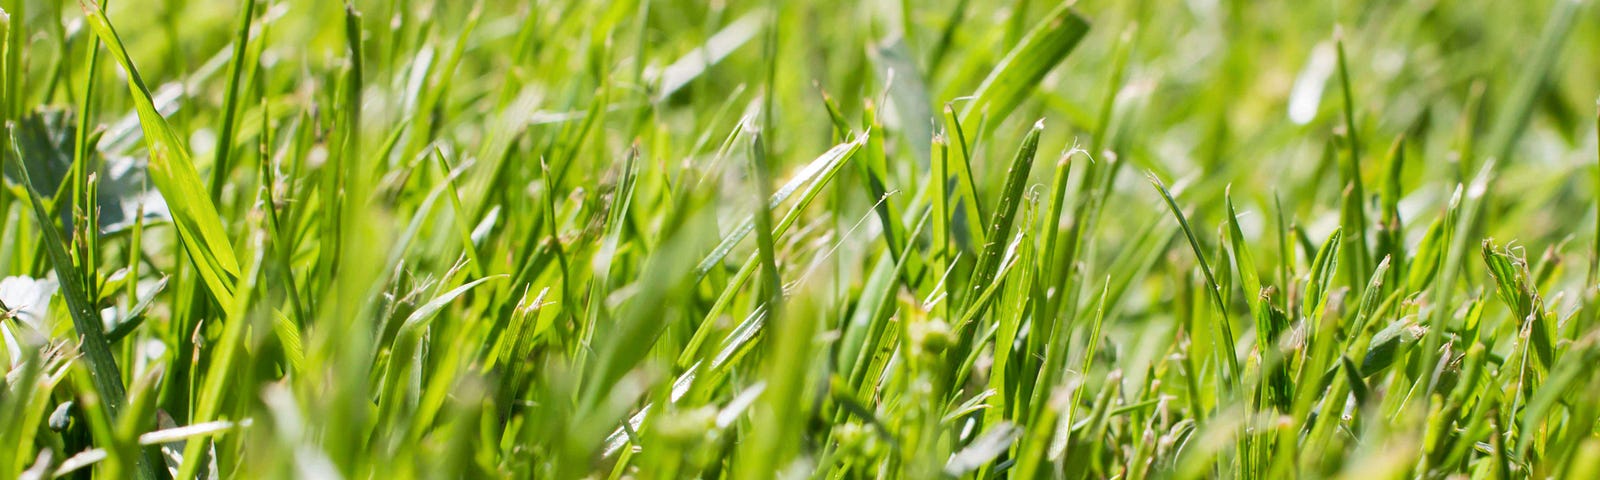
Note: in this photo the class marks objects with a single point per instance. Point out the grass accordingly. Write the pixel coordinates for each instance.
(820, 239)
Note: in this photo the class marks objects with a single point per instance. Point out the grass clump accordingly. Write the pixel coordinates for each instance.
(829, 239)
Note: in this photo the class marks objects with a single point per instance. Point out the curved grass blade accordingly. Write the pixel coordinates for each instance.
(171, 168)
(1231, 362)
(1268, 326)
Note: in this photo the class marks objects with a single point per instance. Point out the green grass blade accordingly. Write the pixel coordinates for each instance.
(1225, 346)
(103, 370)
(1531, 80)
(1049, 42)
(813, 176)
(172, 170)
(230, 104)
(1006, 210)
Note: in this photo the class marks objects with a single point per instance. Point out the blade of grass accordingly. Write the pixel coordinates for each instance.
(1225, 346)
(1046, 44)
(1277, 388)
(1531, 80)
(103, 370)
(230, 105)
(1005, 212)
(171, 169)
(813, 176)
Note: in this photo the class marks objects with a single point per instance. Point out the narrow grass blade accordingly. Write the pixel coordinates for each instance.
(1323, 268)
(813, 176)
(230, 104)
(103, 370)
(1006, 210)
(1230, 360)
(1532, 79)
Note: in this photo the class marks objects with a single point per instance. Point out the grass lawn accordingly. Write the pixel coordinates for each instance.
(818, 239)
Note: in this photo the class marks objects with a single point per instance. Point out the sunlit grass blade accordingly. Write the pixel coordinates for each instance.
(1005, 211)
(172, 170)
(813, 176)
(1516, 289)
(1268, 326)
(1046, 44)
(1229, 359)
(1323, 267)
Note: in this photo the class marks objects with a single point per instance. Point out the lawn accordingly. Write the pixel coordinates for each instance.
(815, 239)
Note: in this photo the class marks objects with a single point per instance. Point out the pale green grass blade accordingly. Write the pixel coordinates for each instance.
(1531, 80)
(813, 177)
(172, 170)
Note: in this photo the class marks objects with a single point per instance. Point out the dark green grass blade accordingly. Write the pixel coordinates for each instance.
(103, 370)
(1005, 213)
